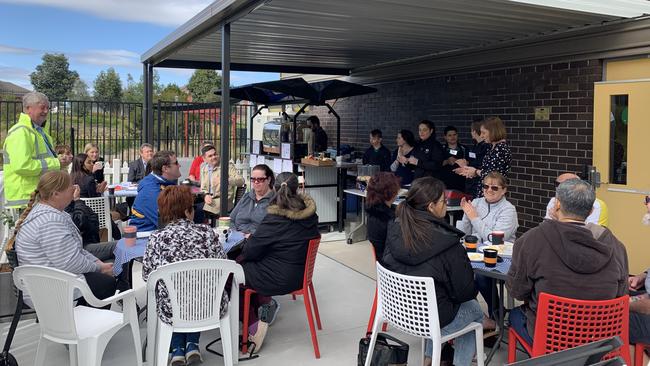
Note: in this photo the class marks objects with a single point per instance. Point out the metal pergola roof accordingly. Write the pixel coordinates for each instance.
(339, 36)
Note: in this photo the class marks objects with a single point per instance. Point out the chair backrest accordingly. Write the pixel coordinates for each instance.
(564, 323)
(52, 293)
(195, 288)
(310, 262)
(239, 193)
(101, 207)
(408, 302)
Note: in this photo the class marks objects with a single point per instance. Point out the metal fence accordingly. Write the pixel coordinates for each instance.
(117, 127)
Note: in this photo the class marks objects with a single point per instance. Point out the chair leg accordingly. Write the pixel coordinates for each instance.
(72, 353)
(293, 296)
(373, 310)
(313, 300)
(226, 340)
(310, 320)
(135, 331)
(373, 340)
(244, 332)
(480, 352)
(512, 346)
(163, 342)
(436, 351)
(88, 352)
(638, 354)
(41, 351)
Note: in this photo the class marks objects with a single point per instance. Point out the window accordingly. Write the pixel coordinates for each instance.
(618, 139)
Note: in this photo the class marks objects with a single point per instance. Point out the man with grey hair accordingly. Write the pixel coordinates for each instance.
(29, 151)
(599, 214)
(565, 257)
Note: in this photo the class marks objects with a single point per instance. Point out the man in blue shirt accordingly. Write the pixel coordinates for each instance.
(165, 171)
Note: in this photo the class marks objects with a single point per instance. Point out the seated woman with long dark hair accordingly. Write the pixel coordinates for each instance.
(420, 242)
(82, 175)
(179, 239)
(274, 256)
(380, 194)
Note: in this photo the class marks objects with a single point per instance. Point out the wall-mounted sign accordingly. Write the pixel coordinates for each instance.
(286, 150)
(257, 147)
(542, 113)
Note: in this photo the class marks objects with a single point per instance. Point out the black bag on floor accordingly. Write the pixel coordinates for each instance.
(395, 353)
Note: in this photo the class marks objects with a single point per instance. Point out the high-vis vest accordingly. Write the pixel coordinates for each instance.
(26, 158)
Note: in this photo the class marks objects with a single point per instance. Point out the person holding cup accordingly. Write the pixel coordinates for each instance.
(490, 218)
(420, 242)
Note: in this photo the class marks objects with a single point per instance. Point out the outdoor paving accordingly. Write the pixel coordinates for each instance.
(344, 298)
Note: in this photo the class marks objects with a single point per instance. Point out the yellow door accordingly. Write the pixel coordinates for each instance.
(622, 156)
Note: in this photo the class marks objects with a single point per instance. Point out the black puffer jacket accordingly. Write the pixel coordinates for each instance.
(85, 220)
(379, 216)
(443, 258)
(274, 256)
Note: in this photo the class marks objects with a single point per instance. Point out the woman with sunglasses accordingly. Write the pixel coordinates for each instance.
(251, 209)
(492, 212)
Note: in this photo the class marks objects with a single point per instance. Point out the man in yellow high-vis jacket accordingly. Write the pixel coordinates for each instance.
(28, 151)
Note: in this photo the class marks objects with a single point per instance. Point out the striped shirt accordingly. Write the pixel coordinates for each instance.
(48, 237)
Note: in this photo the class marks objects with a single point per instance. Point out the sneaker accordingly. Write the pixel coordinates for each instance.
(192, 354)
(178, 357)
(258, 337)
(268, 312)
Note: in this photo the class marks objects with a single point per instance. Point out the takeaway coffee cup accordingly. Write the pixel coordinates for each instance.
(496, 237)
(470, 243)
(111, 190)
(339, 159)
(130, 234)
(490, 257)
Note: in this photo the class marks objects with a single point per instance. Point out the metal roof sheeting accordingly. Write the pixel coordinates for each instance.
(338, 36)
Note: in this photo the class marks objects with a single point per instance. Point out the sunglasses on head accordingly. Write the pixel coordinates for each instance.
(258, 180)
(493, 188)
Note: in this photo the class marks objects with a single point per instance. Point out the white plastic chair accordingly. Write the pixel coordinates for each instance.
(87, 330)
(195, 288)
(409, 304)
(101, 207)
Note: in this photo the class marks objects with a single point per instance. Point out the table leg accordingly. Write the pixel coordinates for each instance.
(498, 299)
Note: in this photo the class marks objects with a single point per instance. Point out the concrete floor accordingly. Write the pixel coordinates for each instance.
(344, 283)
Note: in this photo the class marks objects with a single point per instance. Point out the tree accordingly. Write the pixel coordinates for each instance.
(79, 90)
(53, 77)
(173, 93)
(202, 85)
(134, 91)
(108, 87)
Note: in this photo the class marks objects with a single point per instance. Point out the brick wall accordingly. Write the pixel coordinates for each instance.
(540, 149)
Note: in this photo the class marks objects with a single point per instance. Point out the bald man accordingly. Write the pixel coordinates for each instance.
(598, 215)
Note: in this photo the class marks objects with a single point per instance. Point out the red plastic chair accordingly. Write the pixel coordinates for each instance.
(564, 323)
(305, 291)
(639, 349)
(374, 302)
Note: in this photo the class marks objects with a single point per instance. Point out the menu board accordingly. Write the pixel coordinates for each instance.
(286, 150)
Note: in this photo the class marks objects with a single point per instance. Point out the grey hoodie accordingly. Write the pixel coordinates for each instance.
(499, 216)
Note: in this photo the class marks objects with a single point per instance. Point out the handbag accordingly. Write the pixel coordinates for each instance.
(395, 353)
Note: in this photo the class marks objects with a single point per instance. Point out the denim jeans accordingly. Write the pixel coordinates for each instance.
(639, 328)
(180, 340)
(518, 323)
(465, 345)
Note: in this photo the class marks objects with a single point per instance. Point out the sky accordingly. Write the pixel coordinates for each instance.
(95, 35)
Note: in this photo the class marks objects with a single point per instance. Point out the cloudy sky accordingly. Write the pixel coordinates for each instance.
(94, 35)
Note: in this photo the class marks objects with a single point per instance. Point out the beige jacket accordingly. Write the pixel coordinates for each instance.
(213, 186)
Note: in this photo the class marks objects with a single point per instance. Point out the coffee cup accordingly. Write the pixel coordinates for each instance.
(471, 242)
(339, 159)
(111, 190)
(490, 257)
(130, 234)
(496, 237)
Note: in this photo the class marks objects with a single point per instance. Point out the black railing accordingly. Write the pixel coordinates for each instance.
(117, 127)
